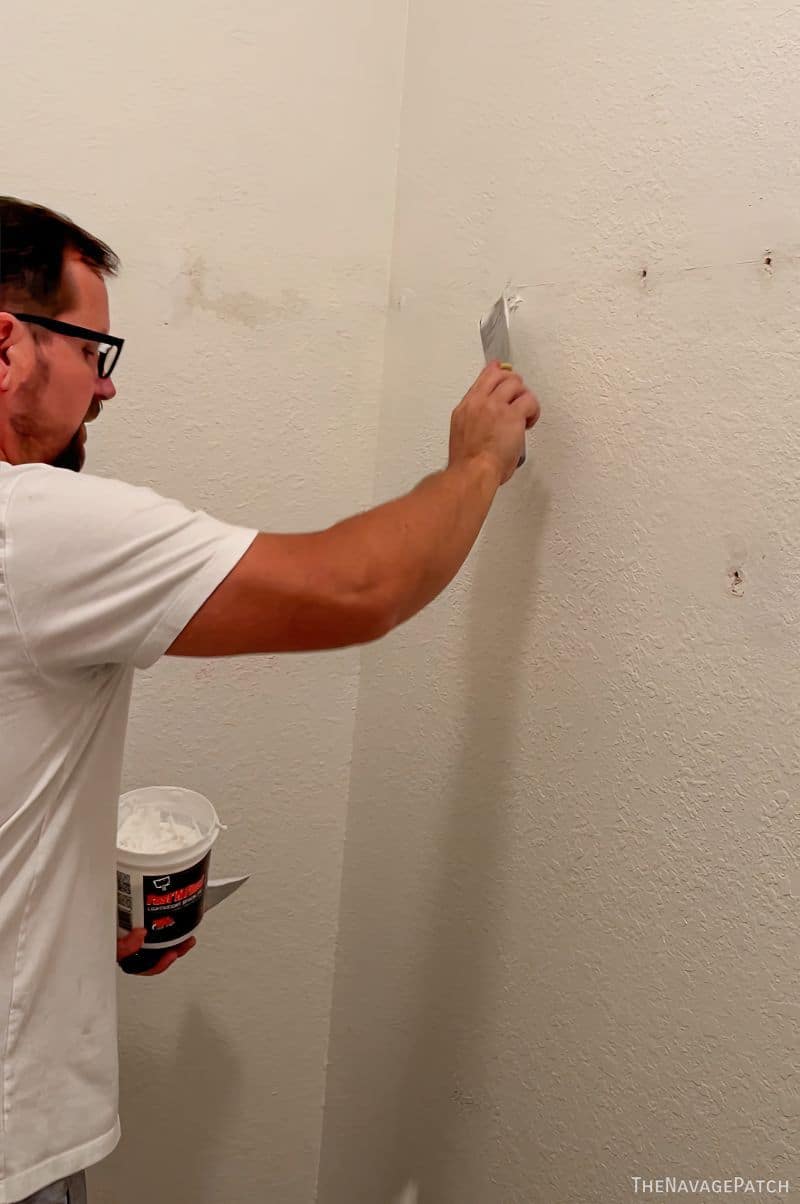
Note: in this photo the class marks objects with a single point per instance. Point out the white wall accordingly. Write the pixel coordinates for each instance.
(242, 162)
(568, 949)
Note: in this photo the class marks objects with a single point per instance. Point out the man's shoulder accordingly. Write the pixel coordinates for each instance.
(46, 481)
(34, 497)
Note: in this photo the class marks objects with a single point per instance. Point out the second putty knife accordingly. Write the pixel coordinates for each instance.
(496, 339)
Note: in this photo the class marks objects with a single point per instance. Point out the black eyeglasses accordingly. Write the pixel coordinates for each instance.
(108, 345)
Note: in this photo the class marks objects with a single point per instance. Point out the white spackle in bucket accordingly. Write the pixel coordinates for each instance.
(148, 830)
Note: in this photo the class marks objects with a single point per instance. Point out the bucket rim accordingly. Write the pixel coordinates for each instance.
(156, 798)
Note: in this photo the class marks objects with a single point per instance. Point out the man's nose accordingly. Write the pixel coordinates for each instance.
(105, 390)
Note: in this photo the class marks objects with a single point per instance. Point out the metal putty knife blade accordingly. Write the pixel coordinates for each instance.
(220, 888)
(496, 340)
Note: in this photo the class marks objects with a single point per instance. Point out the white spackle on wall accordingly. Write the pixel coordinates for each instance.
(513, 299)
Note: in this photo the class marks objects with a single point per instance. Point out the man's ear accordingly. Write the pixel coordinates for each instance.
(17, 354)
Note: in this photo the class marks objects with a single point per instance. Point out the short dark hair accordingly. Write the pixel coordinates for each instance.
(33, 243)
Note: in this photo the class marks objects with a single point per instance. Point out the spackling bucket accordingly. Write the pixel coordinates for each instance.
(164, 839)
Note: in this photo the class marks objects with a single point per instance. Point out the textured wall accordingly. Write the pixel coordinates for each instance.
(243, 164)
(568, 945)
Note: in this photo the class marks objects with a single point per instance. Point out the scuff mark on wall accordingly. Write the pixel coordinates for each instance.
(241, 306)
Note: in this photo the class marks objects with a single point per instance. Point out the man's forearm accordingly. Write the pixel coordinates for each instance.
(410, 549)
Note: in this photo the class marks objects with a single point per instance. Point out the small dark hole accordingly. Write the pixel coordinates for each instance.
(768, 261)
(644, 273)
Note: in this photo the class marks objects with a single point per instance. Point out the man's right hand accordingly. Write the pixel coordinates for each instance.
(491, 419)
(357, 580)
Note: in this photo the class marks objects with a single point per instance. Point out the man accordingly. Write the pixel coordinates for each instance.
(99, 578)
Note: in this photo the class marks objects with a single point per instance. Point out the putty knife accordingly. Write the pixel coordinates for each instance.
(496, 339)
(219, 888)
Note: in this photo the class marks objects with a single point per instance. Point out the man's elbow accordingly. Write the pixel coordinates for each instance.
(377, 615)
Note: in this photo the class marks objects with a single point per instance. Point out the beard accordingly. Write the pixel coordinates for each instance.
(25, 424)
(73, 456)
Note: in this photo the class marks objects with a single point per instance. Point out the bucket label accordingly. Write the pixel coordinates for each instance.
(174, 903)
(124, 900)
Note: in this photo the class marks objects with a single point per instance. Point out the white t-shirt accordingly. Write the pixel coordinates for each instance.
(97, 578)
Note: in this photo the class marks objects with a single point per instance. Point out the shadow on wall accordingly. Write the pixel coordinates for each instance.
(441, 1091)
(172, 1100)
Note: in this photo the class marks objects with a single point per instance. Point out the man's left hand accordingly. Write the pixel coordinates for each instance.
(133, 941)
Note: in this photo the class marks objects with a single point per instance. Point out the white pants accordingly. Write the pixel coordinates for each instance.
(66, 1191)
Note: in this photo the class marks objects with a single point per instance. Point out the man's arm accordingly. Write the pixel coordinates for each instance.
(356, 581)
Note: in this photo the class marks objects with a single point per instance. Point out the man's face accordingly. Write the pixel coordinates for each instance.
(50, 390)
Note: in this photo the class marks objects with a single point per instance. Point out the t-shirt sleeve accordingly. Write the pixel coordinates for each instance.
(102, 572)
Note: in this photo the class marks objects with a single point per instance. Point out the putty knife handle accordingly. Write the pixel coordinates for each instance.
(524, 456)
